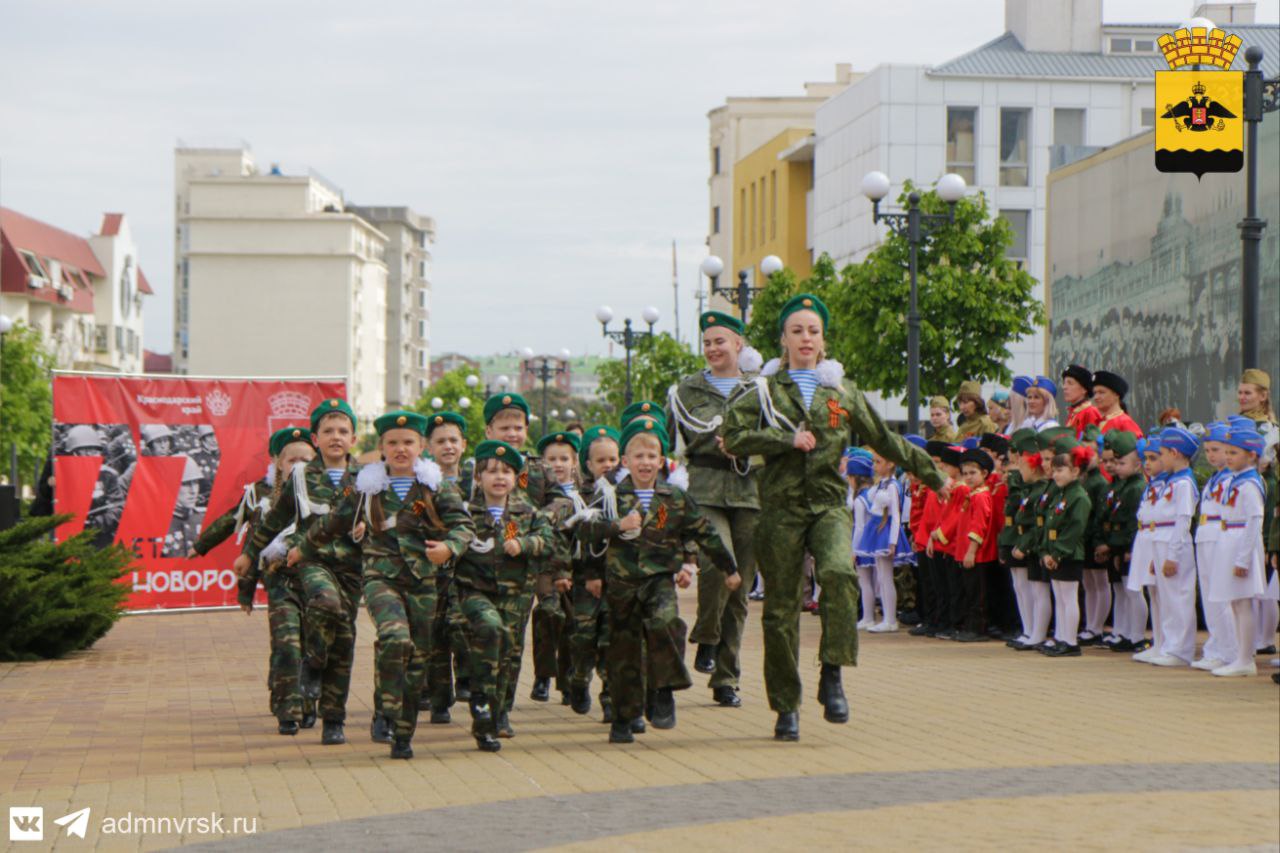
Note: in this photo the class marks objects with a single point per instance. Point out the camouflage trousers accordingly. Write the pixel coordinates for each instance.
(284, 615)
(783, 536)
(515, 656)
(644, 620)
(403, 608)
(904, 581)
(551, 654)
(722, 614)
(589, 637)
(494, 621)
(330, 600)
(448, 658)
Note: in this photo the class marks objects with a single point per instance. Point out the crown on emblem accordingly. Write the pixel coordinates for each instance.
(289, 404)
(1198, 89)
(1199, 47)
(218, 401)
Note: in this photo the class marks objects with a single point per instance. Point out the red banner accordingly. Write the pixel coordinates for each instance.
(149, 461)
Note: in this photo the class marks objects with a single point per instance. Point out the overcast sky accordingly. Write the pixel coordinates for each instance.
(561, 145)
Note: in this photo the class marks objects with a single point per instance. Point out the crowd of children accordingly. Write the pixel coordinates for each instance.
(1048, 533)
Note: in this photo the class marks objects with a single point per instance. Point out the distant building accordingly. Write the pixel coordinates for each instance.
(83, 294)
(157, 362)
(449, 362)
(772, 191)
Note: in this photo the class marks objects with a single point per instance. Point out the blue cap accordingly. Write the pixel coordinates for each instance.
(1246, 439)
(1241, 422)
(1044, 383)
(918, 440)
(1216, 431)
(1150, 444)
(1179, 439)
(970, 443)
(858, 465)
(1021, 384)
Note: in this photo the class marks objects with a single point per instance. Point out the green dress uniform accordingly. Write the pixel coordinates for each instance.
(646, 633)
(1120, 524)
(1026, 520)
(1066, 530)
(805, 495)
(493, 592)
(726, 492)
(1008, 535)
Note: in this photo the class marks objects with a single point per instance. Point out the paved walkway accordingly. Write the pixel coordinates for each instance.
(950, 746)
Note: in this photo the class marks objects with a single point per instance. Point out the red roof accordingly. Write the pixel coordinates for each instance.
(144, 286)
(46, 241)
(157, 362)
(111, 224)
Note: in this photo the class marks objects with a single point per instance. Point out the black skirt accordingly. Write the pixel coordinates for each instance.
(1036, 571)
(1068, 570)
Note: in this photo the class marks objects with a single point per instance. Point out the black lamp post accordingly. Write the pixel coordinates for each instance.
(915, 226)
(626, 336)
(1260, 96)
(546, 371)
(743, 292)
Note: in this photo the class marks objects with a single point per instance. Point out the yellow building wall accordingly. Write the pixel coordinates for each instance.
(769, 209)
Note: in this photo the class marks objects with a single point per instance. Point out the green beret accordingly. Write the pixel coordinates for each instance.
(442, 418)
(329, 406)
(562, 437)
(500, 402)
(804, 302)
(401, 420)
(284, 437)
(1024, 441)
(591, 436)
(644, 426)
(1057, 439)
(719, 318)
(1121, 442)
(491, 449)
(643, 409)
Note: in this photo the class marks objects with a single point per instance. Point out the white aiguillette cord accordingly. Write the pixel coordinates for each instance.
(690, 421)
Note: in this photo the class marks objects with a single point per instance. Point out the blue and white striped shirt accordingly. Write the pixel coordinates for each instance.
(400, 485)
(496, 513)
(569, 489)
(645, 496)
(335, 475)
(723, 384)
(807, 380)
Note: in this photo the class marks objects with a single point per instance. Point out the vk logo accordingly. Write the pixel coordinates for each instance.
(26, 823)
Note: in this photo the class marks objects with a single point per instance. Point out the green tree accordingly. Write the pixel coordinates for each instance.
(26, 399)
(451, 388)
(57, 597)
(657, 363)
(974, 302)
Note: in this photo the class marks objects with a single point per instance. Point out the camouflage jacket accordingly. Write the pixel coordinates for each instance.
(221, 529)
(564, 555)
(396, 531)
(839, 417)
(321, 497)
(486, 566)
(672, 532)
(714, 480)
(534, 481)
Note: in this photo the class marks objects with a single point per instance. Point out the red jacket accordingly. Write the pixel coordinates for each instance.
(918, 496)
(945, 534)
(989, 552)
(922, 528)
(973, 523)
(1121, 421)
(1082, 417)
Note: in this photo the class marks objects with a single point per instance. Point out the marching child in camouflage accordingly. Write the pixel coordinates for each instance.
(559, 451)
(653, 547)
(801, 417)
(409, 523)
(330, 576)
(494, 578)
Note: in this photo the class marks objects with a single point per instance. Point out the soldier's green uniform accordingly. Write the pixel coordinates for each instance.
(553, 647)
(726, 493)
(805, 498)
(399, 578)
(1120, 521)
(493, 591)
(948, 432)
(640, 588)
(1066, 529)
(330, 575)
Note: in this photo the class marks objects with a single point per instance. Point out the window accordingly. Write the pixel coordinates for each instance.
(773, 206)
(33, 265)
(422, 297)
(1068, 127)
(1019, 221)
(1014, 128)
(715, 160)
(1148, 117)
(961, 124)
(422, 328)
(742, 216)
(1144, 46)
(715, 219)
(1121, 45)
(422, 358)
(753, 214)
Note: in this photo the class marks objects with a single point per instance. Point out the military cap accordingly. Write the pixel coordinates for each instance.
(939, 402)
(1024, 441)
(1120, 442)
(330, 406)
(1179, 439)
(566, 438)
(1021, 384)
(858, 464)
(643, 409)
(1150, 445)
(1044, 383)
(439, 419)
(644, 426)
(1254, 376)
(401, 420)
(723, 320)
(1218, 432)
(918, 440)
(1053, 439)
(1111, 381)
(970, 443)
(1246, 439)
(970, 388)
(935, 447)
(191, 471)
(977, 457)
(281, 438)
(1079, 374)
(500, 450)
(1240, 422)
(995, 442)
(594, 434)
(804, 302)
(951, 454)
(501, 402)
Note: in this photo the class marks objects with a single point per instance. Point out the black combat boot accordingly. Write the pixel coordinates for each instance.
(380, 729)
(831, 695)
(482, 724)
(726, 696)
(288, 727)
(462, 690)
(620, 732)
(440, 715)
(664, 709)
(787, 727)
(332, 733)
(402, 747)
(309, 680)
(705, 658)
(541, 690)
(606, 708)
(580, 699)
(637, 726)
(308, 720)
(504, 726)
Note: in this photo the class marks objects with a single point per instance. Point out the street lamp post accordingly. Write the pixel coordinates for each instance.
(626, 336)
(546, 372)
(915, 226)
(743, 292)
(473, 381)
(1260, 96)
(6, 324)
